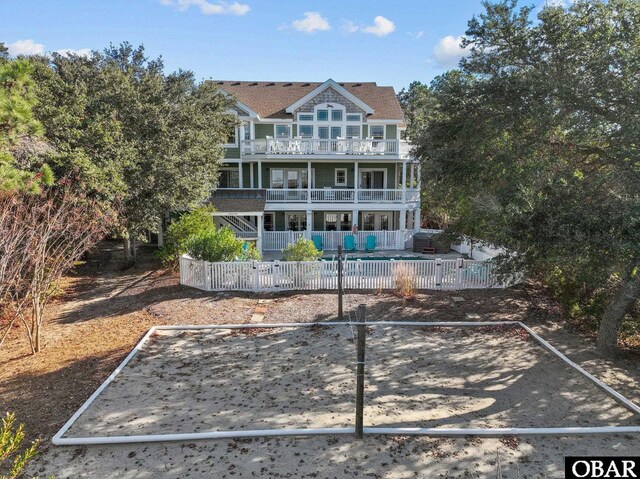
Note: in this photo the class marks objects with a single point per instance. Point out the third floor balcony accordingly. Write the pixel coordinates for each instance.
(355, 147)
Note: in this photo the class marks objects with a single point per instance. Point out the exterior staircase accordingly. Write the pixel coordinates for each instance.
(241, 226)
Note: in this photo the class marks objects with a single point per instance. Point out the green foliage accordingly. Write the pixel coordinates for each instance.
(250, 253)
(532, 143)
(17, 127)
(302, 250)
(215, 245)
(178, 234)
(140, 139)
(13, 455)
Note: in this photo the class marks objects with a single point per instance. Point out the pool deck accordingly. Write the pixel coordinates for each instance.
(277, 255)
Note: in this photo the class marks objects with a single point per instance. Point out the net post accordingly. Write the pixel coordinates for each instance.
(362, 336)
(340, 314)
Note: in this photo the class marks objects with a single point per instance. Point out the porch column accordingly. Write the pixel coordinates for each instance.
(356, 182)
(260, 227)
(252, 185)
(240, 181)
(308, 188)
(416, 220)
(404, 182)
(309, 224)
(412, 175)
(259, 174)
(403, 220)
(354, 218)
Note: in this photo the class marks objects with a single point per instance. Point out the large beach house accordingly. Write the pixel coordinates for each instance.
(319, 160)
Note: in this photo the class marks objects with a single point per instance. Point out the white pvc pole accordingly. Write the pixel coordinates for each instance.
(506, 431)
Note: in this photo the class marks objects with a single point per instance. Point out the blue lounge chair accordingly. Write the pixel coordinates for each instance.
(317, 241)
(370, 244)
(350, 243)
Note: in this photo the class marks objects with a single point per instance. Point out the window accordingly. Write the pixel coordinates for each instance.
(336, 131)
(337, 221)
(323, 132)
(369, 221)
(376, 132)
(292, 179)
(283, 131)
(353, 117)
(330, 222)
(229, 178)
(341, 177)
(322, 115)
(232, 136)
(277, 178)
(384, 222)
(345, 221)
(268, 222)
(336, 115)
(296, 221)
(353, 131)
(305, 131)
(305, 117)
(247, 131)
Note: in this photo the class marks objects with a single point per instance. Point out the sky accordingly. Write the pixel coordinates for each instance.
(386, 41)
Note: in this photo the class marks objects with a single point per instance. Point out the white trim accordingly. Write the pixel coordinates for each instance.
(335, 177)
(330, 84)
(388, 122)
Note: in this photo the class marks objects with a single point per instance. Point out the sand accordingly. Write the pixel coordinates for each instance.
(304, 377)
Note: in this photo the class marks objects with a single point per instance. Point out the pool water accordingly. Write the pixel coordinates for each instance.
(378, 258)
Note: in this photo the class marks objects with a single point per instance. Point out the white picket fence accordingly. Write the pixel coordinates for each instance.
(323, 275)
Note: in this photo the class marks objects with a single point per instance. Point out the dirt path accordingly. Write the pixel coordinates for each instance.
(105, 311)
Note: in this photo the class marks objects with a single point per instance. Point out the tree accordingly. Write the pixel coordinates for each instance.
(140, 139)
(532, 145)
(19, 129)
(14, 454)
(41, 238)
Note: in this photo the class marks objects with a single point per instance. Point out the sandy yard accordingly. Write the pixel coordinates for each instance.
(491, 377)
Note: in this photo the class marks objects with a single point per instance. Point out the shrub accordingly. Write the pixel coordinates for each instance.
(251, 253)
(301, 250)
(13, 460)
(403, 276)
(178, 234)
(215, 245)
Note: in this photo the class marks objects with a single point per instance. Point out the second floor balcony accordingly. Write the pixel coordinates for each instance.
(357, 147)
(333, 195)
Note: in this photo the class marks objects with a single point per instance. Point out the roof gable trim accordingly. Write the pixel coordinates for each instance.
(330, 84)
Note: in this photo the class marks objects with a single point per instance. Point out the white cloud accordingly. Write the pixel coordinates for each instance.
(312, 22)
(420, 34)
(25, 47)
(448, 52)
(208, 8)
(83, 52)
(381, 27)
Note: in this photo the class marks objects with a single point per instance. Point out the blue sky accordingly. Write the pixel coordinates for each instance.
(390, 42)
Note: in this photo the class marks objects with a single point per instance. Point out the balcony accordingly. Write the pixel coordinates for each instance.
(329, 195)
(356, 147)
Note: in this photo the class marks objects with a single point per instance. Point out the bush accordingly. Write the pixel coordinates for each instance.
(178, 234)
(12, 459)
(403, 275)
(215, 245)
(301, 250)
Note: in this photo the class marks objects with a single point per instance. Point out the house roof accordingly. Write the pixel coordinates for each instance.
(271, 99)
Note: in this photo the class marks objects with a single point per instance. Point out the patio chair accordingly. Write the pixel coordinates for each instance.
(370, 244)
(317, 241)
(349, 243)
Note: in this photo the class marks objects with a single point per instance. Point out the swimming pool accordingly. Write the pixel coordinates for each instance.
(378, 258)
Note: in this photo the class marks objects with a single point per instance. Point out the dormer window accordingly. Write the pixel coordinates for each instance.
(322, 115)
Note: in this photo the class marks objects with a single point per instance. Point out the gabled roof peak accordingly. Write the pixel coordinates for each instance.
(330, 83)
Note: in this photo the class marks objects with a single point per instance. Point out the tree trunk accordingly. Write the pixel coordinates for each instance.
(627, 294)
(126, 245)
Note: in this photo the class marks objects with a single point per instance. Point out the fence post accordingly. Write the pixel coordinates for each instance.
(361, 344)
(276, 274)
(340, 282)
(439, 273)
(256, 276)
(459, 266)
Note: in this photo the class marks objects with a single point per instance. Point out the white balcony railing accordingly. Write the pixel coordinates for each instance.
(330, 195)
(314, 146)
